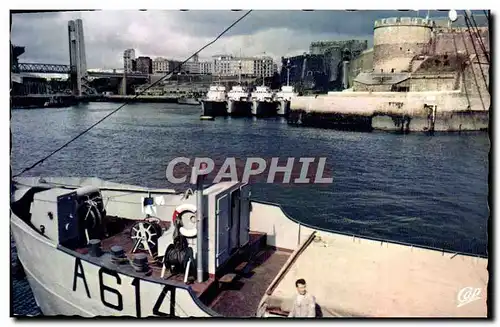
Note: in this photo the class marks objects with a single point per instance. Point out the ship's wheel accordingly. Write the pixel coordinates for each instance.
(145, 235)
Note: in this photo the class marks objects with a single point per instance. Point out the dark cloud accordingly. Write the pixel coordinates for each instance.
(177, 34)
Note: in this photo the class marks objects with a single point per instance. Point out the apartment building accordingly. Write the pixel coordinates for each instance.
(128, 60)
(225, 65)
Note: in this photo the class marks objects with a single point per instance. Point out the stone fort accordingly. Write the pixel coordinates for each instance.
(420, 54)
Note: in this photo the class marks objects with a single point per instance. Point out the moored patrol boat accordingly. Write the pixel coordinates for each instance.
(239, 103)
(96, 248)
(284, 98)
(285, 95)
(214, 103)
(264, 103)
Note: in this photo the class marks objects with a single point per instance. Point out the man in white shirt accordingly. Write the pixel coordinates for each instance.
(305, 303)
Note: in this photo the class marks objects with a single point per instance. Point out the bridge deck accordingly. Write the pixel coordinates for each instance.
(25, 67)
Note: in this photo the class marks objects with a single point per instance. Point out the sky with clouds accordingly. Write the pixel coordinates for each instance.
(177, 34)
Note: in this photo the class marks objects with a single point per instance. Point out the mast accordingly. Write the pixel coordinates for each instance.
(239, 74)
(239, 65)
(288, 72)
(219, 71)
(263, 68)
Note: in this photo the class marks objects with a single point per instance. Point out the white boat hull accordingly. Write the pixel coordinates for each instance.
(214, 108)
(370, 278)
(66, 285)
(264, 108)
(239, 108)
(283, 107)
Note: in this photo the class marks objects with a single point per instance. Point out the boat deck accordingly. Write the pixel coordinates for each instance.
(253, 268)
(124, 240)
(358, 277)
(242, 298)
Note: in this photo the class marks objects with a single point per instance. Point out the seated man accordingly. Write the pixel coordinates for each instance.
(304, 304)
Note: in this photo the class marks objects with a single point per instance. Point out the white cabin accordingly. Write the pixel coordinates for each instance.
(216, 93)
(239, 93)
(263, 94)
(286, 93)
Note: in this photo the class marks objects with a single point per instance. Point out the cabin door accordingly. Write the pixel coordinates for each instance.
(235, 221)
(244, 214)
(222, 221)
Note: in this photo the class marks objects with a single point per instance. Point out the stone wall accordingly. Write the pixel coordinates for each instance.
(397, 40)
(362, 63)
(420, 83)
(368, 103)
(360, 87)
(475, 85)
(397, 57)
(458, 40)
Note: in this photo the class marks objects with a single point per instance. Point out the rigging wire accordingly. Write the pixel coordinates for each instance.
(462, 72)
(487, 14)
(471, 65)
(138, 94)
(475, 51)
(480, 39)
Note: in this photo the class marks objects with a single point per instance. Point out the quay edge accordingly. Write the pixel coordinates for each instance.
(67, 100)
(390, 111)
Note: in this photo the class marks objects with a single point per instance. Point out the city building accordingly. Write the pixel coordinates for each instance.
(128, 60)
(191, 67)
(226, 65)
(174, 65)
(222, 65)
(263, 67)
(160, 65)
(144, 65)
(247, 66)
(206, 67)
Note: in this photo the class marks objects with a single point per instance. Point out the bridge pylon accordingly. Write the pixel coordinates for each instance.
(123, 85)
(77, 59)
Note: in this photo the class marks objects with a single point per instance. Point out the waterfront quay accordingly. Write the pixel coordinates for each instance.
(68, 100)
(50, 100)
(139, 98)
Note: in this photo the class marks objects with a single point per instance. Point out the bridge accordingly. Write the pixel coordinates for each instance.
(77, 69)
(65, 69)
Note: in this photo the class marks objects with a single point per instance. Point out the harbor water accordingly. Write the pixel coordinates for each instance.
(415, 188)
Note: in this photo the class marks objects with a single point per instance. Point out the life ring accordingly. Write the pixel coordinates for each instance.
(179, 211)
(189, 233)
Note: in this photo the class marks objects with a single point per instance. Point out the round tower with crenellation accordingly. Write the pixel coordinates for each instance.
(397, 40)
